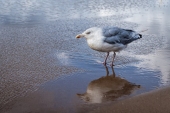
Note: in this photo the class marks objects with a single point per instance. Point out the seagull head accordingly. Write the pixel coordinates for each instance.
(89, 33)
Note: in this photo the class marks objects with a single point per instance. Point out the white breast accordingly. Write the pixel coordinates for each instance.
(100, 45)
(95, 44)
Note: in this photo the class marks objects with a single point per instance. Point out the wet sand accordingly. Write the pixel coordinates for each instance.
(152, 102)
(42, 101)
(63, 94)
(45, 69)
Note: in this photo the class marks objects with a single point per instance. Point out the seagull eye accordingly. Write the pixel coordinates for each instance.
(88, 32)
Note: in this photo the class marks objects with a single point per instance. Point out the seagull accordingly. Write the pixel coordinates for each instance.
(109, 39)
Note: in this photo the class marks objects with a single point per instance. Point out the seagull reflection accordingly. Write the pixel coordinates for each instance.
(107, 88)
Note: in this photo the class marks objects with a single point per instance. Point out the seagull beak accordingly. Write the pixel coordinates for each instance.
(79, 36)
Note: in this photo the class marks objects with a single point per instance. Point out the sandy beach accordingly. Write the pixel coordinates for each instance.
(45, 69)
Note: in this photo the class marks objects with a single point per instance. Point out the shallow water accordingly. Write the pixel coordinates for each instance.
(39, 51)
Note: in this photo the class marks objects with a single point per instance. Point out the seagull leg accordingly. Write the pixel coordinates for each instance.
(106, 58)
(113, 59)
(107, 71)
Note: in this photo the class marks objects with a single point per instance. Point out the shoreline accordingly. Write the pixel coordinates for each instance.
(43, 101)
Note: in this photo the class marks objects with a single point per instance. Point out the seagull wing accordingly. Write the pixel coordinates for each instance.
(117, 35)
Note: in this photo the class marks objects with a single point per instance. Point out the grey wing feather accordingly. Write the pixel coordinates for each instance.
(118, 35)
(108, 32)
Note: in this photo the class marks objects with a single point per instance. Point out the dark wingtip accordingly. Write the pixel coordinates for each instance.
(140, 35)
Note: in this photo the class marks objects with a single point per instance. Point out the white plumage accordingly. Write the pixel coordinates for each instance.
(112, 39)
